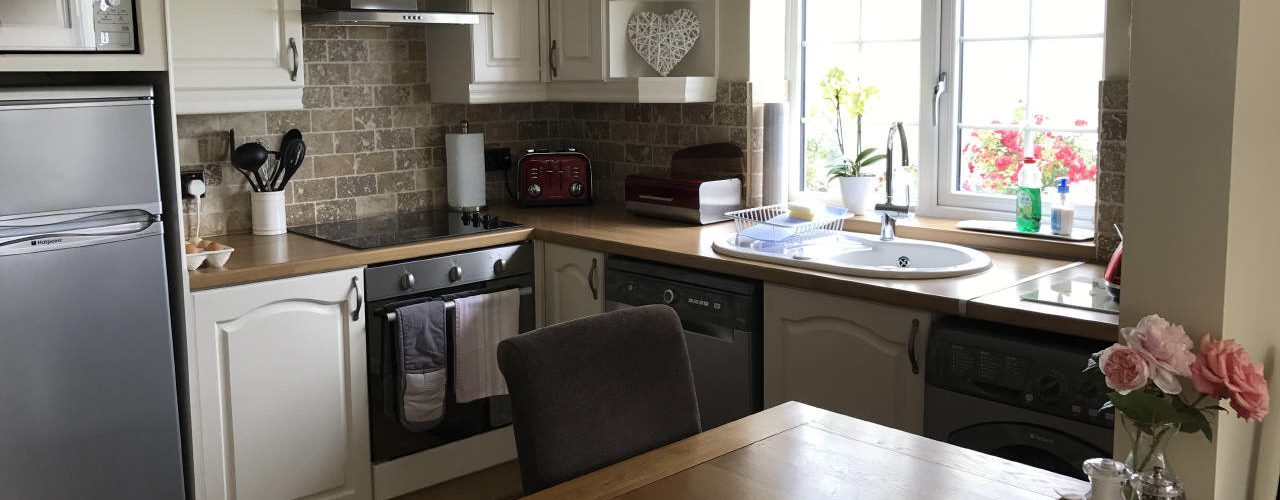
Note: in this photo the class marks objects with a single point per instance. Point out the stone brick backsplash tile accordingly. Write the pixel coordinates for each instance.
(335, 210)
(354, 96)
(375, 162)
(316, 97)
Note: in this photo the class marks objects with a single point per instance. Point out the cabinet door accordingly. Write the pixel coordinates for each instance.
(572, 283)
(577, 40)
(279, 406)
(236, 55)
(862, 359)
(506, 46)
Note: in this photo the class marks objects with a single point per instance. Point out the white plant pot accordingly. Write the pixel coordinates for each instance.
(268, 212)
(859, 194)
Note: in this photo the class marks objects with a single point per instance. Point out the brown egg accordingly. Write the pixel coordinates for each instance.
(203, 243)
(192, 248)
(215, 246)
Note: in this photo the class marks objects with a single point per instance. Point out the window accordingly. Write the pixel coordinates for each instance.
(1022, 81)
(875, 44)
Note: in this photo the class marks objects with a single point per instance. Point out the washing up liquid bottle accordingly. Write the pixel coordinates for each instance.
(1030, 183)
(1063, 212)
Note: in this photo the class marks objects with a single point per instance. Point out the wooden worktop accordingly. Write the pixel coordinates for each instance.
(609, 229)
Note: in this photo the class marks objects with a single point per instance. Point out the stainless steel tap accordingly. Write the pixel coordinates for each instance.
(895, 128)
(888, 227)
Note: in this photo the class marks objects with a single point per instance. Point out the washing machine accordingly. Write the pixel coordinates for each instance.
(1016, 393)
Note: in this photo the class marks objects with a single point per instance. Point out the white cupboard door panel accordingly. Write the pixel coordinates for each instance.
(845, 355)
(572, 283)
(279, 395)
(506, 46)
(286, 366)
(241, 47)
(577, 38)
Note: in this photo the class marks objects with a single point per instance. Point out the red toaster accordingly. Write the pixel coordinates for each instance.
(553, 178)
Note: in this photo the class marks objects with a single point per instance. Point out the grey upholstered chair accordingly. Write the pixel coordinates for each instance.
(595, 391)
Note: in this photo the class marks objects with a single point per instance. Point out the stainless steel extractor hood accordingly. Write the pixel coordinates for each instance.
(383, 12)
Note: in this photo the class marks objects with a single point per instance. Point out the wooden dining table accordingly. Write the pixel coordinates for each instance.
(798, 451)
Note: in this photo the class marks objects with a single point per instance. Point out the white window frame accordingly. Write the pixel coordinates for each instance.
(944, 201)
(939, 25)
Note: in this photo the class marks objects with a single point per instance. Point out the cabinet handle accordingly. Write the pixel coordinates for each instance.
(591, 279)
(911, 347)
(293, 51)
(555, 71)
(355, 286)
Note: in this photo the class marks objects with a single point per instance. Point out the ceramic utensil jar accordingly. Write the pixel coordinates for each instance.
(268, 213)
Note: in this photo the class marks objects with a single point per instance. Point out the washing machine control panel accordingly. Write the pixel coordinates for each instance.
(1039, 374)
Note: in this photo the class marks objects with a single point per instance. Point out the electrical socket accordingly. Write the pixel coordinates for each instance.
(185, 178)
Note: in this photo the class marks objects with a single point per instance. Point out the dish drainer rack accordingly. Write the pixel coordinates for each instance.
(771, 223)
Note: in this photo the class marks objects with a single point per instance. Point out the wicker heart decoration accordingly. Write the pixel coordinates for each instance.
(664, 40)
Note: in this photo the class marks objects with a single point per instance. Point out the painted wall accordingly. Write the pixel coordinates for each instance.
(1199, 212)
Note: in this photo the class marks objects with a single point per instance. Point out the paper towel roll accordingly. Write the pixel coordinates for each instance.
(464, 154)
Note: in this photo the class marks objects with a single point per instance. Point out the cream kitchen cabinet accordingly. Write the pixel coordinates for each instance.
(277, 389)
(236, 55)
(576, 33)
(862, 359)
(571, 283)
(498, 60)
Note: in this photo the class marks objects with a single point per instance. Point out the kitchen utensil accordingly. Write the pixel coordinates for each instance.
(281, 165)
(291, 160)
(248, 159)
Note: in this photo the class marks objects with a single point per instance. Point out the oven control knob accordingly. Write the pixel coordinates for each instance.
(455, 273)
(408, 281)
(668, 296)
(499, 266)
(575, 189)
(535, 190)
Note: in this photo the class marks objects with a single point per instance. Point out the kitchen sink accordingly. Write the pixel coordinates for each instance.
(854, 254)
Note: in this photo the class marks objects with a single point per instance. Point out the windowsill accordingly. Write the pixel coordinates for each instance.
(945, 231)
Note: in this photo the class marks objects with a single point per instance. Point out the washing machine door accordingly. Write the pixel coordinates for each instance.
(1029, 444)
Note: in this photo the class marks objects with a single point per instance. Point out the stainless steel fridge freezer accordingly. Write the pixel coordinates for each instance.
(88, 391)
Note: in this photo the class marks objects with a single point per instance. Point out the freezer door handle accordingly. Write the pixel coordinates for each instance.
(19, 237)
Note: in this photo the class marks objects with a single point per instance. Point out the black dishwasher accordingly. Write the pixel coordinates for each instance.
(722, 318)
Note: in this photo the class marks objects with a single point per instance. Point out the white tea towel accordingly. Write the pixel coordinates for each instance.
(480, 323)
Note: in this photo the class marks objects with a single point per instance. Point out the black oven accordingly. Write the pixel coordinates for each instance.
(390, 286)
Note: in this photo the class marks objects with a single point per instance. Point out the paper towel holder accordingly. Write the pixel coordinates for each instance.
(465, 170)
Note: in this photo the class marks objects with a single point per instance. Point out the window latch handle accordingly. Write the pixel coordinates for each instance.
(939, 88)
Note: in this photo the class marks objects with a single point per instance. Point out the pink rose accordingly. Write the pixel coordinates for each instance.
(1166, 348)
(1126, 370)
(1223, 370)
(1253, 403)
(1209, 371)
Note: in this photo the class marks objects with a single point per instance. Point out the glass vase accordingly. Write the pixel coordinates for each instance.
(1148, 443)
